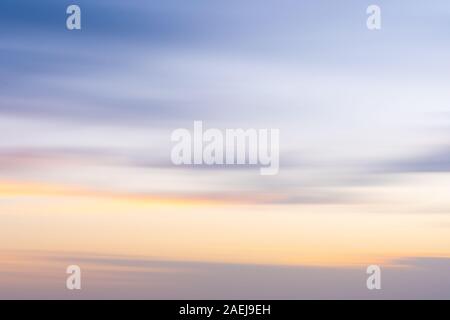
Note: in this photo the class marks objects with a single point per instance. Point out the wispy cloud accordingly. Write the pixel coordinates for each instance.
(86, 119)
(106, 277)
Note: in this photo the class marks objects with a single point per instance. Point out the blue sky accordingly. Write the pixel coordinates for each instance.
(348, 102)
(364, 118)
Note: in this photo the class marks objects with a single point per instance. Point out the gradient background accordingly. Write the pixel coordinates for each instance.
(85, 172)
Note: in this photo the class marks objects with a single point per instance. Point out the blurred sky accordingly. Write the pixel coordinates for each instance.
(86, 118)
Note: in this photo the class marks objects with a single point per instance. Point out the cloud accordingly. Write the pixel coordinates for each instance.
(437, 161)
(127, 277)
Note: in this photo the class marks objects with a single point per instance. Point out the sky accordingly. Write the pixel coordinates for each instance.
(86, 178)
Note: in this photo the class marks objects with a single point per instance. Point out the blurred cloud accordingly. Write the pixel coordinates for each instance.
(106, 277)
(363, 118)
(437, 161)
